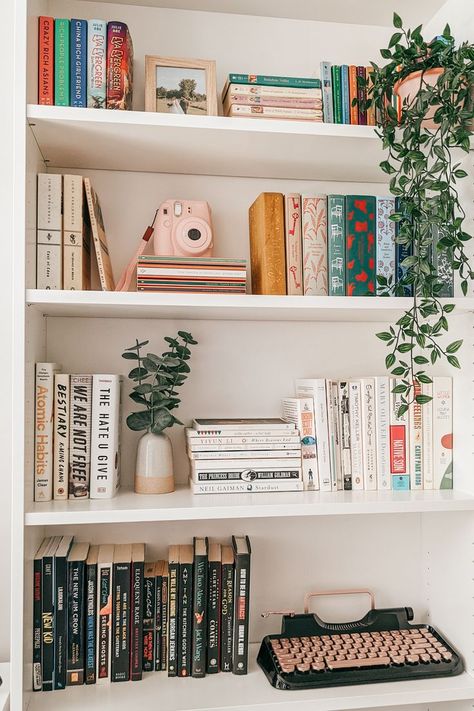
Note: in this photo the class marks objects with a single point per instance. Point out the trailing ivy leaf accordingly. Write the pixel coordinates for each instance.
(389, 360)
(420, 360)
(402, 410)
(399, 389)
(454, 346)
(397, 21)
(423, 378)
(452, 360)
(423, 399)
(405, 347)
(398, 370)
(447, 308)
(394, 39)
(384, 336)
(138, 421)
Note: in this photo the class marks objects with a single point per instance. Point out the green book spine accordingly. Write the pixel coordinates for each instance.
(264, 80)
(336, 244)
(337, 93)
(61, 62)
(360, 245)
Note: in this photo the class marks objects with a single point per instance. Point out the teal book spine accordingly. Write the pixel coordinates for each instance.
(61, 62)
(345, 101)
(336, 244)
(336, 93)
(360, 245)
(267, 80)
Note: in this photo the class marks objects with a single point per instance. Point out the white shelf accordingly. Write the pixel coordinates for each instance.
(182, 505)
(233, 307)
(205, 145)
(228, 692)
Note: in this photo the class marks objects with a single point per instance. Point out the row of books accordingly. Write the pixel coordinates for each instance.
(77, 434)
(84, 63)
(239, 456)
(257, 96)
(70, 234)
(354, 437)
(334, 245)
(197, 275)
(341, 88)
(103, 614)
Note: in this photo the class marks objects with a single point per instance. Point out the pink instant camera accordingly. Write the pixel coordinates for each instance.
(183, 229)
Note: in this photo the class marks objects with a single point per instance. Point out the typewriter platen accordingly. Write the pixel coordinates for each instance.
(382, 646)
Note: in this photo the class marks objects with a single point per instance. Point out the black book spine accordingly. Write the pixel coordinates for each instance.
(227, 616)
(185, 611)
(213, 615)
(91, 622)
(173, 620)
(241, 614)
(136, 616)
(121, 622)
(149, 623)
(158, 621)
(104, 622)
(199, 616)
(60, 622)
(164, 622)
(76, 627)
(47, 623)
(37, 613)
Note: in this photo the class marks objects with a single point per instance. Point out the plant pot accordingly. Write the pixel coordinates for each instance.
(408, 88)
(154, 467)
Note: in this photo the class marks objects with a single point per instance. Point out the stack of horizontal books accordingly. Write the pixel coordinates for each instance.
(259, 96)
(240, 456)
(208, 275)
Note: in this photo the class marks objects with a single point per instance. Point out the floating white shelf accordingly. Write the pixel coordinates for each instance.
(205, 145)
(234, 307)
(182, 505)
(228, 692)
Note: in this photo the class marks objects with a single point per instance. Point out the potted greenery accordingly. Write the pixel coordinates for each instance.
(156, 381)
(434, 82)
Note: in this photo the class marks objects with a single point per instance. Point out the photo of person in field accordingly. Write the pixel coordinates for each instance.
(180, 90)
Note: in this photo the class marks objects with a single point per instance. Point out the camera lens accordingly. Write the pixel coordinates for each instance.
(194, 234)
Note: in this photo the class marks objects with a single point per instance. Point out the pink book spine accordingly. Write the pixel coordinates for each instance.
(292, 102)
(294, 261)
(315, 246)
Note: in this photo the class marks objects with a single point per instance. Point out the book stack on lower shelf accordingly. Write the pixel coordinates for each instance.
(192, 275)
(103, 614)
(244, 455)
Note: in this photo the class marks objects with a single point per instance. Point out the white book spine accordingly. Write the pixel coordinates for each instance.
(316, 388)
(80, 436)
(96, 64)
(427, 423)
(44, 449)
(241, 437)
(399, 441)
(236, 428)
(416, 441)
(244, 454)
(105, 436)
(242, 487)
(345, 434)
(195, 445)
(382, 412)
(258, 90)
(49, 232)
(61, 436)
(301, 412)
(355, 417)
(442, 433)
(294, 257)
(238, 465)
(369, 445)
(334, 435)
(73, 233)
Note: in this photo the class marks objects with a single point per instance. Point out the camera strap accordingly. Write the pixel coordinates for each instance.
(128, 273)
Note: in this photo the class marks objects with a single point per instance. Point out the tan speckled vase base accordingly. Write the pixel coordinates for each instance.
(154, 485)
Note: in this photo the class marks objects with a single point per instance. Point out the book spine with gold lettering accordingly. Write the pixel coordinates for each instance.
(267, 244)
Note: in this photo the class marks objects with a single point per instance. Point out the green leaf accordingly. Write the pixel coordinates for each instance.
(130, 356)
(138, 421)
(395, 38)
(162, 419)
(138, 373)
(137, 346)
(420, 360)
(398, 370)
(454, 346)
(397, 21)
(143, 389)
(423, 399)
(150, 365)
(386, 53)
(452, 360)
(424, 378)
(136, 397)
(405, 347)
(389, 360)
(384, 336)
(447, 308)
(401, 410)
(460, 173)
(398, 389)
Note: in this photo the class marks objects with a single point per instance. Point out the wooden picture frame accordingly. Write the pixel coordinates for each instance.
(192, 69)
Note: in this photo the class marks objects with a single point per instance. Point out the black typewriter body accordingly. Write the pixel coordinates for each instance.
(360, 652)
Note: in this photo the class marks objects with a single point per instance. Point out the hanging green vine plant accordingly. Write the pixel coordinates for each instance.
(420, 138)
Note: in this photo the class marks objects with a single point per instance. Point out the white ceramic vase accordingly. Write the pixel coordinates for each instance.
(154, 468)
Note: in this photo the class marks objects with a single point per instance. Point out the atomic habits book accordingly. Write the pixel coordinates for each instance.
(44, 453)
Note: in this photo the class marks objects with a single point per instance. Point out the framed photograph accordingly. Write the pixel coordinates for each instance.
(180, 86)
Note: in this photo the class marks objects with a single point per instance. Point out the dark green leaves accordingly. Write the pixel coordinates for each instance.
(397, 21)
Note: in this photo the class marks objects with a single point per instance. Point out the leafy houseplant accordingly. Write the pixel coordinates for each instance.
(157, 379)
(420, 137)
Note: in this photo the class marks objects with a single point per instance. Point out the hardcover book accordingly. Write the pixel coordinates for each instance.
(267, 244)
(136, 611)
(173, 622)
(316, 389)
(281, 112)
(269, 80)
(355, 418)
(61, 62)
(48, 233)
(294, 259)
(76, 572)
(78, 47)
(227, 608)
(382, 409)
(264, 426)
(37, 681)
(99, 238)
(104, 612)
(336, 93)
(266, 486)
(47, 615)
(46, 61)
(399, 442)
(80, 436)
(385, 240)
(91, 615)
(44, 408)
(272, 99)
(360, 245)
(361, 95)
(60, 611)
(120, 667)
(164, 616)
(241, 547)
(96, 64)
(326, 80)
(402, 251)
(214, 452)
(199, 626)
(185, 609)
(332, 397)
(300, 411)
(76, 236)
(345, 434)
(336, 244)
(105, 436)
(442, 433)
(149, 601)
(354, 113)
(239, 467)
(213, 608)
(315, 245)
(257, 91)
(61, 436)
(427, 425)
(158, 608)
(345, 101)
(119, 66)
(415, 417)
(369, 447)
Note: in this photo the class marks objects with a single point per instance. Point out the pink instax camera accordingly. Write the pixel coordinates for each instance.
(183, 229)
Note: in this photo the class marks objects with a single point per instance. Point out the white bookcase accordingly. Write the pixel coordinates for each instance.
(411, 548)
